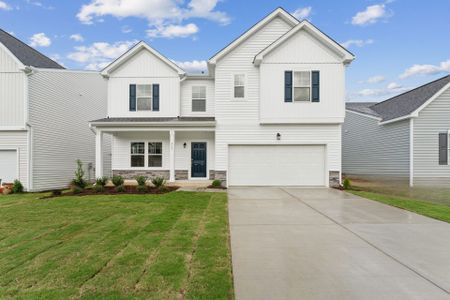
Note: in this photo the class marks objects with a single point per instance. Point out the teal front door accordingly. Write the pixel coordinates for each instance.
(198, 159)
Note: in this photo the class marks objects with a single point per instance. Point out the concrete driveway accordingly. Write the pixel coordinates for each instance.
(299, 243)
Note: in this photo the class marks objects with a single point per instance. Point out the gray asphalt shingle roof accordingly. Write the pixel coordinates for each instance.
(26, 54)
(401, 105)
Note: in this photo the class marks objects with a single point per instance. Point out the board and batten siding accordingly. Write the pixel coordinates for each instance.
(373, 150)
(432, 120)
(144, 68)
(17, 140)
(302, 52)
(186, 97)
(12, 92)
(61, 105)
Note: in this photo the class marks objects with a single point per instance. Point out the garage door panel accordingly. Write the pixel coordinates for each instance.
(277, 165)
(8, 165)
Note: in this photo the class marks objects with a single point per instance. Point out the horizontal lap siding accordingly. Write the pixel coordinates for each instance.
(369, 149)
(239, 120)
(17, 140)
(432, 120)
(186, 97)
(61, 105)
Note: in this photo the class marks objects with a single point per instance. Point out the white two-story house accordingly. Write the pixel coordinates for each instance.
(269, 112)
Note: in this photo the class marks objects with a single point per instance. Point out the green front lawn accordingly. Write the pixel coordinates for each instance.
(423, 207)
(171, 246)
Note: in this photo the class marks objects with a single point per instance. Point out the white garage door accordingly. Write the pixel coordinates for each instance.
(277, 165)
(8, 165)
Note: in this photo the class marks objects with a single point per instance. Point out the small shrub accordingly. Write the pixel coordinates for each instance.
(159, 182)
(120, 188)
(346, 184)
(101, 181)
(98, 188)
(79, 176)
(77, 189)
(118, 180)
(17, 187)
(216, 183)
(141, 188)
(141, 180)
(56, 193)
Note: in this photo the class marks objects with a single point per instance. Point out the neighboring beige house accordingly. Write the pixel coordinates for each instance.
(269, 112)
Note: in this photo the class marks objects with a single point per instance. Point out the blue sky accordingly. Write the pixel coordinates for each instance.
(399, 44)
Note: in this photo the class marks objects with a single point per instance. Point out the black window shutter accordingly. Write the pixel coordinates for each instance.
(315, 79)
(155, 97)
(132, 97)
(287, 86)
(443, 148)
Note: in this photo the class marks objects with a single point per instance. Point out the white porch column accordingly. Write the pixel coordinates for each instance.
(98, 154)
(172, 156)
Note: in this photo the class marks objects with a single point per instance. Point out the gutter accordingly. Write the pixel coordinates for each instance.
(153, 124)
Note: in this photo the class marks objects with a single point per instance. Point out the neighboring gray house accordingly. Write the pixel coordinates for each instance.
(44, 114)
(403, 138)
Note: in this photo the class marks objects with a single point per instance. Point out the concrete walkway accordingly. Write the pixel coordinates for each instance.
(297, 243)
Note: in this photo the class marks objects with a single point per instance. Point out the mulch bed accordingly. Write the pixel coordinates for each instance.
(111, 191)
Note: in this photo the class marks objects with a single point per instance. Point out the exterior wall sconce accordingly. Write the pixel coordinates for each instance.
(278, 136)
(184, 145)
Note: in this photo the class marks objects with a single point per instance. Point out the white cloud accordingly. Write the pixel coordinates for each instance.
(370, 15)
(376, 79)
(160, 14)
(77, 37)
(173, 31)
(100, 54)
(302, 12)
(394, 86)
(195, 66)
(5, 6)
(391, 89)
(39, 4)
(40, 40)
(426, 69)
(358, 43)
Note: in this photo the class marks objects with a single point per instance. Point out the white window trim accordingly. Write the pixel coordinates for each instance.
(154, 154)
(146, 154)
(293, 86)
(245, 89)
(138, 154)
(151, 97)
(192, 98)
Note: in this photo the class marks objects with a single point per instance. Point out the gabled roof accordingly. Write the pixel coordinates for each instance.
(25, 54)
(346, 55)
(362, 107)
(279, 12)
(405, 105)
(134, 50)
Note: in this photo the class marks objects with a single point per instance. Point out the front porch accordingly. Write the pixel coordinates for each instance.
(180, 150)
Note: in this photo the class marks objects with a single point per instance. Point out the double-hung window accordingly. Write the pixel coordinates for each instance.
(239, 86)
(302, 86)
(198, 98)
(138, 154)
(155, 154)
(144, 97)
